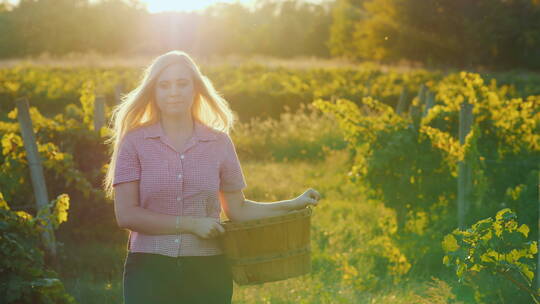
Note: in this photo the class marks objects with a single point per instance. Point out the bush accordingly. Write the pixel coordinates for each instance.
(25, 277)
(494, 252)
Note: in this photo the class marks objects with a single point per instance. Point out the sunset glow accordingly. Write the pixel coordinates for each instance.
(156, 6)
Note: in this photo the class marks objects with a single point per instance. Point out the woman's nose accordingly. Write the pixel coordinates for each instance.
(175, 90)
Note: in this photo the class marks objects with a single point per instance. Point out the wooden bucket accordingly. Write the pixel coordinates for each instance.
(268, 249)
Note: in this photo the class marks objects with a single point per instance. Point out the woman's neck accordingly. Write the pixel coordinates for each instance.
(177, 127)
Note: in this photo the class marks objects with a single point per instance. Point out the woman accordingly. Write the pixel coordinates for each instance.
(173, 167)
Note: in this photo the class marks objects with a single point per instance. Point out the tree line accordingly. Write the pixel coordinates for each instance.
(58, 27)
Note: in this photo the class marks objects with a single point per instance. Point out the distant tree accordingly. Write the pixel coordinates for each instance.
(271, 27)
(62, 26)
(346, 15)
(497, 33)
(280, 28)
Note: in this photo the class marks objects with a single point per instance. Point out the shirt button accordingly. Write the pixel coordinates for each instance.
(179, 176)
(178, 198)
(182, 156)
(176, 241)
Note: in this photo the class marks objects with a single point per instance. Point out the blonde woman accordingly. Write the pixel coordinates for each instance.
(172, 170)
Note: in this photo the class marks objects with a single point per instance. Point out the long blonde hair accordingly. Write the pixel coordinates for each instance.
(138, 107)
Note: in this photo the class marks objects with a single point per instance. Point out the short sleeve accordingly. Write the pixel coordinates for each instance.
(128, 167)
(230, 173)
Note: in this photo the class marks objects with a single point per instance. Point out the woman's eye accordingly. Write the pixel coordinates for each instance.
(164, 85)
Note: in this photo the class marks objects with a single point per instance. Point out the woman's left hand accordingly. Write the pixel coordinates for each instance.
(310, 197)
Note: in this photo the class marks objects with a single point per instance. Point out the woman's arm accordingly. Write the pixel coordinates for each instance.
(130, 216)
(150, 222)
(254, 210)
(239, 209)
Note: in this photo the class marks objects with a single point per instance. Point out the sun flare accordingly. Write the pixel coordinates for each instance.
(155, 6)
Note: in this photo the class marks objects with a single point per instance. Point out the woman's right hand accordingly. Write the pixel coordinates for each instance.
(207, 227)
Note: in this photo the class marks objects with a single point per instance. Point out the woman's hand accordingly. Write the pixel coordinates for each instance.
(207, 227)
(309, 197)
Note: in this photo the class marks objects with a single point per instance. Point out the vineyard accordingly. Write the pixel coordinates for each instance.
(430, 181)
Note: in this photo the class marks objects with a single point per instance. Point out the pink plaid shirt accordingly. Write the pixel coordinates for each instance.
(183, 182)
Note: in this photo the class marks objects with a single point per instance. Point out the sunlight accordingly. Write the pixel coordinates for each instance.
(155, 6)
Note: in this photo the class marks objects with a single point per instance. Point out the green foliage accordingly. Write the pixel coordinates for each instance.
(411, 163)
(72, 156)
(25, 277)
(438, 292)
(366, 254)
(497, 247)
(60, 205)
(252, 89)
(305, 134)
(58, 165)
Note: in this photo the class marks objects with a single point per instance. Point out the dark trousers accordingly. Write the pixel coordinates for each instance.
(154, 278)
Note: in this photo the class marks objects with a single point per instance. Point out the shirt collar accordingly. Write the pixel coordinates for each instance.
(200, 131)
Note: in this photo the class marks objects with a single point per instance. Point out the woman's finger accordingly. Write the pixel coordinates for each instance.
(314, 194)
(220, 229)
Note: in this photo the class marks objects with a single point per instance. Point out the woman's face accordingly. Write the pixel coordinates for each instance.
(174, 92)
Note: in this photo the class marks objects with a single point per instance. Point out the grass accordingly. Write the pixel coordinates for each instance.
(94, 59)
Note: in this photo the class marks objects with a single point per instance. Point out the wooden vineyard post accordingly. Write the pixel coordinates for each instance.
(36, 171)
(368, 89)
(414, 109)
(464, 169)
(99, 112)
(402, 103)
(430, 102)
